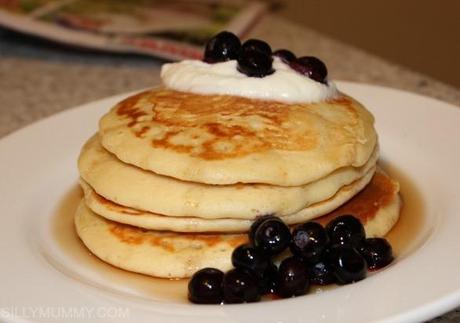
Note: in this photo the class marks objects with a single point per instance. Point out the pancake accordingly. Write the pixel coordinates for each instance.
(155, 221)
(221, 139)
(178, 255)
(133, 187)
(377, 206)
(160, 254)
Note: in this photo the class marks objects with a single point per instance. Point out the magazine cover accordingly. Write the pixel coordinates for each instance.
(170, 29)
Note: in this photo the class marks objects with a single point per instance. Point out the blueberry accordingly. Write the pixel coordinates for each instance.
(346, 229)
(256, 224)
(347, 264)
(248, 257)
(292, 278)
(272, 236)
(222, 47)
(268, 280)
(257, 45)
(309, 241)
(255, 64)
(377, 252)
(285, 55)
(321, 273)
(312, 67)
(205, 286)
(240, 286)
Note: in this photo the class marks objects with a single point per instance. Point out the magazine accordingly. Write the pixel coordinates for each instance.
(170, 29)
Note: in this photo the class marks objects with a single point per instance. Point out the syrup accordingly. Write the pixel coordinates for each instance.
(66, 237)
(405, 235)
(402, 238)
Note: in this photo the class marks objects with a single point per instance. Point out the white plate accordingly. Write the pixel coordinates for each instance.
(43, 283)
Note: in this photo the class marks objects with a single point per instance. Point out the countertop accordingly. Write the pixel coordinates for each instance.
(38, 78)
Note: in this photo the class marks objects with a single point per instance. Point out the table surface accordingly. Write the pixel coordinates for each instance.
(38, 78)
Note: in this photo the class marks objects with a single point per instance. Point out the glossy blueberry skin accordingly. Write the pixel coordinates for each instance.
(250, 258)
(309, 240)
(285, 55)
(311, 67)
(321, 273)
(240, 286)
(222, 47)
(347, 264)
(255, 64)
(346, 229)
(272, 236)
(377, 252)
(268, 280)
(256, 224)
(292, 278)
(257, 45)
(205, 286)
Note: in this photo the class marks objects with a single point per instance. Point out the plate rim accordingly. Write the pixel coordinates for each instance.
(440, 304)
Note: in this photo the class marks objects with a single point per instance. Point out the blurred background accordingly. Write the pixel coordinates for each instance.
(423, 35)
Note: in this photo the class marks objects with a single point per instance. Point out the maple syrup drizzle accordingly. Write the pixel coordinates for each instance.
(67, 239)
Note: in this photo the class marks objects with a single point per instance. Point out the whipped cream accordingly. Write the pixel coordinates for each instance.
(285, 84)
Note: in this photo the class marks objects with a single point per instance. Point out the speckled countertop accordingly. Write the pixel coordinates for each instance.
(38, 79)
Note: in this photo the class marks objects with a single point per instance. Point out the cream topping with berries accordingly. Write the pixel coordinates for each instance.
(285, 84)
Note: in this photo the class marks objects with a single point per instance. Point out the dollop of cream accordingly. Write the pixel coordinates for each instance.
(285, 84)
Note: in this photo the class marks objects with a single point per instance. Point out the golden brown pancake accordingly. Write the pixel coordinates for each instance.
(377, 206)
(156, 253)
(134, 187)
(169, 254)
(154, 221)
(221, 139)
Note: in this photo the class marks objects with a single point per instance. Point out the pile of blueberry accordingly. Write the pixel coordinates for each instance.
(338, 253)
(255, 57)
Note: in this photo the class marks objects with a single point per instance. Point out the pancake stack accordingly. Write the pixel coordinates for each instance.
(173, 181)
